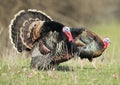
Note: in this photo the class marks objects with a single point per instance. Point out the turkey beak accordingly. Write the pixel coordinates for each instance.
(69, 35)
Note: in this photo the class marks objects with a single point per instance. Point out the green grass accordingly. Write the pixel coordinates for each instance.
(14, 70)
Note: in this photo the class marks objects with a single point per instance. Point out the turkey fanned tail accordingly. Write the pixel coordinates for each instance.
(25, 27)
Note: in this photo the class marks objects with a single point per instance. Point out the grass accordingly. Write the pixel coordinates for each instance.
(15, 70)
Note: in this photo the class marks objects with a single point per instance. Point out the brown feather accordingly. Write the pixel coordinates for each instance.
(21, 34)
(78, 42)
(30, 32)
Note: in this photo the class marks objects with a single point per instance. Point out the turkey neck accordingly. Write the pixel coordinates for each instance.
(76, 31)
(53, 26)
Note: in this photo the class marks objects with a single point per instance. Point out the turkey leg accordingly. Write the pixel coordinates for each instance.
(81, 63)
(94, 65)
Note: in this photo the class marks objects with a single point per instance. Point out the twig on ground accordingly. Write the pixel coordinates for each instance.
(1, 30)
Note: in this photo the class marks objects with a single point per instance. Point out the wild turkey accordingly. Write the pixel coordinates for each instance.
(89, 46)
(29, 28)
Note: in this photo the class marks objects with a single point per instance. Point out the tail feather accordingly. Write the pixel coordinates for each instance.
(30, 32)
(22, 28)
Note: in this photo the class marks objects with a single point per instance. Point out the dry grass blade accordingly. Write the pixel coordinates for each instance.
(1, 29)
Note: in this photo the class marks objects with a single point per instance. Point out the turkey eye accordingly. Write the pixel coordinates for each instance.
(67, 29)
(108, 40)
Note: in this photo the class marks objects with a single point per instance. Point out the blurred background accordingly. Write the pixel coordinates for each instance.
(100, 16)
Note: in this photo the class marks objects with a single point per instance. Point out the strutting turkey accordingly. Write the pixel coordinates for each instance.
(29, 28)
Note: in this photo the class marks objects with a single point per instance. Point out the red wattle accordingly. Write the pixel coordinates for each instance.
(69, 35)
(105, 44)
